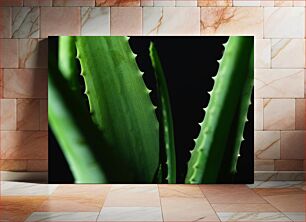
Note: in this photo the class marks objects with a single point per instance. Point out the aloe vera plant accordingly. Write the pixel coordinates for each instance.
(230, 95)
(119, 138)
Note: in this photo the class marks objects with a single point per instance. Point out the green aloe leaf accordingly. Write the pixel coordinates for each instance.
(166, 122)
(120, 105)
(212, 143)
(73, 128)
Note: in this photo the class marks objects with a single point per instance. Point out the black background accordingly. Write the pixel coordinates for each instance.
(189, 64)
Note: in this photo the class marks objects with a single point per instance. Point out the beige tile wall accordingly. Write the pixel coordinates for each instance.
(278, 26)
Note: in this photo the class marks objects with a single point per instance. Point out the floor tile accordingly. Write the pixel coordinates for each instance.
(26, 189)
(82, 190)
(285, 200)
(18, 208)
(296, 216)
(130, 214)
(72, 204)
(187, 209)
(133, 196)
(276, 184)
(230, 194)
(251, 216)
(264, 207)
(63, 216)
(185, 190)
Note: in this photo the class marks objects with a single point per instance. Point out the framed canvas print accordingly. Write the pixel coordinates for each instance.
(151, 109)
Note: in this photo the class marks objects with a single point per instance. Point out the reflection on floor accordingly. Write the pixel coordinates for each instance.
(258, 202)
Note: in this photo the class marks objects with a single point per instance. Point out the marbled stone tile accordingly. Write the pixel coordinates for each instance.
(95, 21)
(186, 3)
(8, 53)
(278, 19)
(71, 204)
(133, 196)
(9, 188)
(277, 184)
(8, 114)
(289, 165)
(278, 191)
(283, 3)
(55, 21)
(13, 165)
(187, 209)
(1, 83)
(220, 3)
(183, 191)
(33, 53)
(37, 2)
(163, 3)
(63, 216)
(279, 175)
(18, 208)
(253, 216)
(300, 114)
(279, 114)
(171, 21)
(146, 2)
(232, 21)
(263, 165)
(25, 22)
(28, 114)
(262, 53)
(267, 145)
(292, 144)
(249, 3)
(25, 83)
(91, 191)
(5, 3)
(262, 207)
(43, 115)
(295, 216)
(230, 194)
(5, 22)
(279, 83)
(267, 3)
(299, 3)
(130, 214)
(284, 50)
(286, 200)
(305, 82)
(24, 145)
(258, 114)
(117, 2)
(73, 3)
(126, 21)
(37, 165)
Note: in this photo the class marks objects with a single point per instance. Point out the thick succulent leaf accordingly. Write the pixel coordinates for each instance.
(165, 119)
(67, 62)
(242, 113)
(73, 128)
(120, 104)
(212, 142)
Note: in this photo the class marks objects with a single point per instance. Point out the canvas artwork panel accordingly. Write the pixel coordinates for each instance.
(151, 109)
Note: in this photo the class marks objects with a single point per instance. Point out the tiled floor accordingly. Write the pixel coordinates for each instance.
(41, 202)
